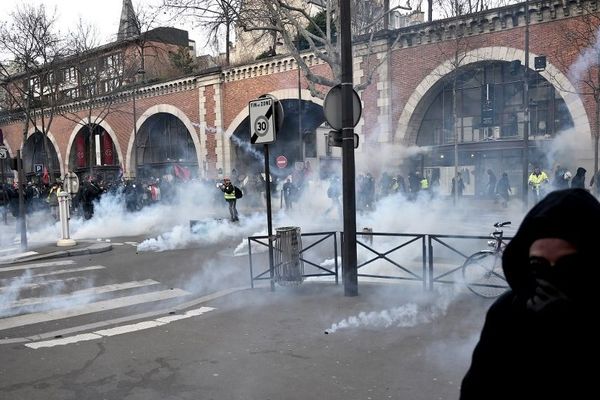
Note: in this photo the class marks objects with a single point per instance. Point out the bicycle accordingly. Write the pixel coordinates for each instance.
(482, 271)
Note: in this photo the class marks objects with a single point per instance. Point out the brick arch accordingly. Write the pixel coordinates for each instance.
(80, 126)
(52, 139)
(283, 94)
(168, 109)
(408, 123)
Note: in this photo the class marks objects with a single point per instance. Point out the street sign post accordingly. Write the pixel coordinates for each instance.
(262, 121)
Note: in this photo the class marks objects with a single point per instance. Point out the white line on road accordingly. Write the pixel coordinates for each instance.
(105, 305)
(39, 285)
(77, 294)
(68, 271)
(119, 330)
(38, 265)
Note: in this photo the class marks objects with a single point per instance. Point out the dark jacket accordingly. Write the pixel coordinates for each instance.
(578, 180)
(525, 354)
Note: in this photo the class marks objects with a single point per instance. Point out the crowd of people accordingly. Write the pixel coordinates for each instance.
(288, 190)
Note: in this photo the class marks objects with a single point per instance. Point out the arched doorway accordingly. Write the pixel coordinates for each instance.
(296, 140)
(164, 146)
(486, 101)
(39, 156)
(94, 153)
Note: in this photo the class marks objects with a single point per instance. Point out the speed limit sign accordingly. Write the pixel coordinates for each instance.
(262, 130)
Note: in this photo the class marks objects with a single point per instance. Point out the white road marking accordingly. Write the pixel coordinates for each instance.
(105, 305)
(132, 243)
(61, 342)
(38, 265)
(118, 330)
(90, 292)
(68, 271)
(38, 285)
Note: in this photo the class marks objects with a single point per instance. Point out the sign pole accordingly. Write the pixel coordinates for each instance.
(4, 195)
(269, 217)
(21, 221)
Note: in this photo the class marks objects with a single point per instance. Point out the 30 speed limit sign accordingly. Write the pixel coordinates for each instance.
(262, 129)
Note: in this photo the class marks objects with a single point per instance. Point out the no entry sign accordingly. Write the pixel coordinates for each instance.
(281, 161)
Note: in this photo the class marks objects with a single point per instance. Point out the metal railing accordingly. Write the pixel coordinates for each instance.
(365, 240)
(438, 254)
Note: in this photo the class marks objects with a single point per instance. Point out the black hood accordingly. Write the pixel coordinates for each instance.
(572, 215)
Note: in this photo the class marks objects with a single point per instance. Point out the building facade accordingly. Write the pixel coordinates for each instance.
(443, 91)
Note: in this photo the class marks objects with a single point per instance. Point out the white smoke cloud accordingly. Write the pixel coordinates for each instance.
(586, 59)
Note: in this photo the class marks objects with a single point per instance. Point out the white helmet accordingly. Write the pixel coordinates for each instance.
(567, 175)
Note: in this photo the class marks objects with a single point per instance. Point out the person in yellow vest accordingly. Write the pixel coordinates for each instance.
(52, 199)
(229, 193)
(424, 185)
(537, 182)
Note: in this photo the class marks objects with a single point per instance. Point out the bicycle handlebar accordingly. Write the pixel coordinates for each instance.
(501, 224)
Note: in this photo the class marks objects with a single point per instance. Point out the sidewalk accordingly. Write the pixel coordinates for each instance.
(42, 251)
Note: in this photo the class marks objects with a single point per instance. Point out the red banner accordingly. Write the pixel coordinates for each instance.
(80, 149)
(107, 149)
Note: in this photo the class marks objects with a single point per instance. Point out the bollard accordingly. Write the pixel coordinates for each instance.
(63, 211)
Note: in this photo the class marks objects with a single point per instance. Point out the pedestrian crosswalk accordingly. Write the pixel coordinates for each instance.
(60, 291)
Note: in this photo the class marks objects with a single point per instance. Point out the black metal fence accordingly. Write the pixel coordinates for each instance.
(427, 258)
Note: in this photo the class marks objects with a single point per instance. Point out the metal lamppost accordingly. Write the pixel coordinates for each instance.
(140, 72)
(527, 116)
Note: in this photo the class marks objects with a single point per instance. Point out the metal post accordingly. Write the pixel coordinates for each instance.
(349, 265)
(134, 147)
(301, 158)
(269, 219)
(4, 194)
(526, 102)
(63, 211)
(21, 222)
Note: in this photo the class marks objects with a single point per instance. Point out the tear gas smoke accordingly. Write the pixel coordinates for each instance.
(586, 59)
(404, 316)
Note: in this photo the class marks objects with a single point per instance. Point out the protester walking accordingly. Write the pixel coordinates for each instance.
(230, 197)
(540, 338)
(503, 190)
(537, 181)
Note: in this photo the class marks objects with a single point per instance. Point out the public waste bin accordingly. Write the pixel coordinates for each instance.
(289, 268)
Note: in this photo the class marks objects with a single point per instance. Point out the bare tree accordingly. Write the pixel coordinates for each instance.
(453, 8)
(584, 72)
(213, 15)
(290, 23)
(96, 78)
(34, 50)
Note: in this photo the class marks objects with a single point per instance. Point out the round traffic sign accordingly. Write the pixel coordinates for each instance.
(281, 161)
(261, 126)
(332, 107)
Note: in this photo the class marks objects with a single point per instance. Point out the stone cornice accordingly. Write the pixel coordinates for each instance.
(267, 67)
(494, 20)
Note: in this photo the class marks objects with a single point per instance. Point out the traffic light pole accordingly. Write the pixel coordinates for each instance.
(349, 263)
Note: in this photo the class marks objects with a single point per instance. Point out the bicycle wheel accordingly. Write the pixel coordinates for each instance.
(483, 275)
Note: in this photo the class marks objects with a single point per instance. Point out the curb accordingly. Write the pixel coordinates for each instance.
(93, 249)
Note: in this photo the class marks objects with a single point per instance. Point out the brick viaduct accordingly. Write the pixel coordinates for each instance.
(213, 105)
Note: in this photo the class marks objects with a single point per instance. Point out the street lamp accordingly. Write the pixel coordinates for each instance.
(140, 73)
(527, 119)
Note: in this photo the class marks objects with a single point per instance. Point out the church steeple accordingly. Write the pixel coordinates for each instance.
(128, 26)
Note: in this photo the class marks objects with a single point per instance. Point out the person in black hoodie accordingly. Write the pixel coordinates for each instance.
(540, 338)
(578, 180)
